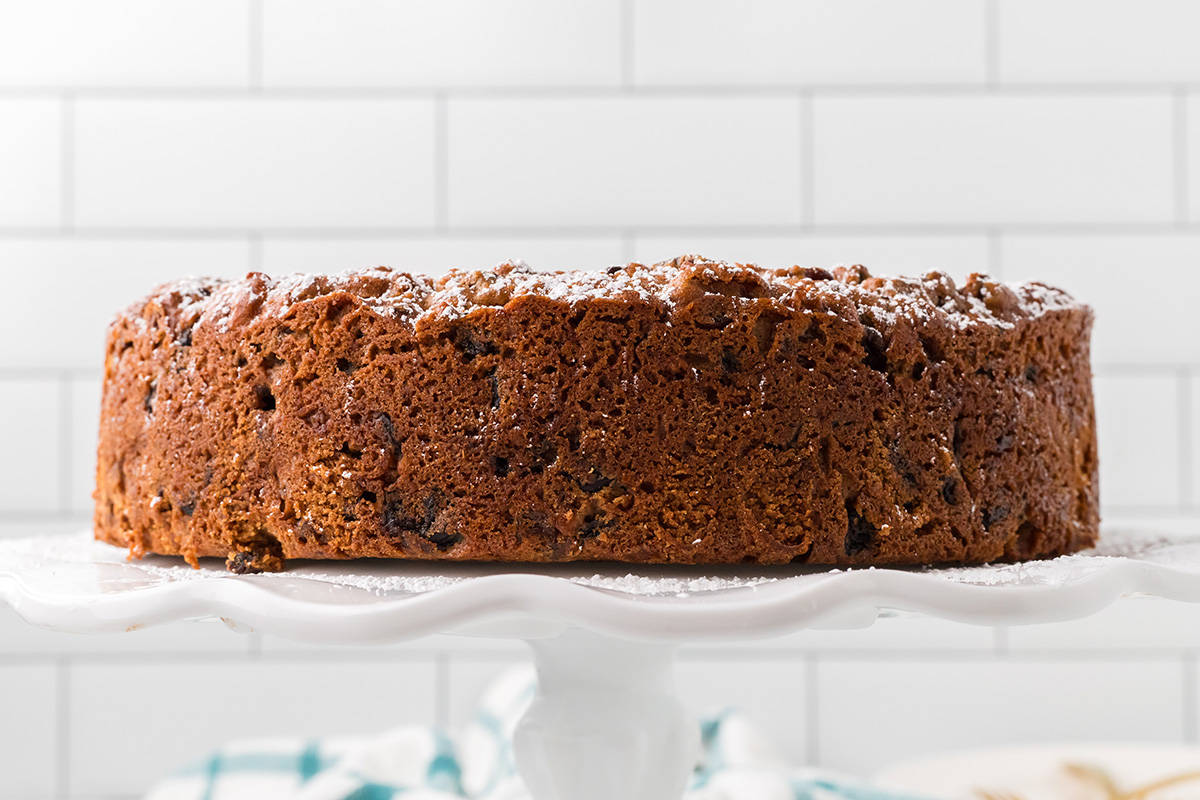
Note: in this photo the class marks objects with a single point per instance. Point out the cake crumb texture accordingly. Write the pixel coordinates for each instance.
(690, 412)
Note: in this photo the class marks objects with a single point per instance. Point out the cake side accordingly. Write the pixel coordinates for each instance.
(687, 412)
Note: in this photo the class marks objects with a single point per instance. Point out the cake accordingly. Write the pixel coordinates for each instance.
(688, 412)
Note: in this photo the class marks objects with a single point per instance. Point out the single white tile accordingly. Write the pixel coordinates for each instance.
(810, 41)
(990, 160)
(85, 423)
(435, 255)
(30, 161)
(448, 43)
(874, 713)
(171, 714)
(18, 637)
(30, 438)
(883, 255)
(1098, 269)
(772, 695)
(124, 43)
(1132, 622)
(27, 730)
(85, 282)
(1137, 420)
(1085, 41)
(254, 162)
(624, 161)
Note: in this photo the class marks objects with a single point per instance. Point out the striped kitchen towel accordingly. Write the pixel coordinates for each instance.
(419, 763)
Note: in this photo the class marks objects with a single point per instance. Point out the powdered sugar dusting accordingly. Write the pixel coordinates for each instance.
(665, 286)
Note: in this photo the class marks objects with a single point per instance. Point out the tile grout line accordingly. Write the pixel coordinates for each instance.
(65, 443)
(991, 47)
(627, 43)
(254, 55)
(1190, 697)
(1098, 654)
(67, 162)
(1187, 455)
(779, 90)
(62, 741)
(1165, 228)
(254, 251)
(1128, 369)
(441, 163)
(628, 245)
(812, 711)
(995, 253)
(441, 697)
(1000, 643)
(46, 373)
(808, 160)
(43, 517)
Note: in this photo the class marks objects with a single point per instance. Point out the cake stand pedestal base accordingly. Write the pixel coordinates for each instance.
(605, 722)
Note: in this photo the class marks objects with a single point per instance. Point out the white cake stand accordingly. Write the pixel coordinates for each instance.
(605, 722)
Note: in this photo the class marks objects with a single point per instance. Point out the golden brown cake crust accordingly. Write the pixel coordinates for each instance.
(690, 412)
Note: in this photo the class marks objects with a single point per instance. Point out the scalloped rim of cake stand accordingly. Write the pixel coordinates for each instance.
(72, 583)
(603, 638)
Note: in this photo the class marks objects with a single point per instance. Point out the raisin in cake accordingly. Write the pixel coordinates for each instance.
(690, 412)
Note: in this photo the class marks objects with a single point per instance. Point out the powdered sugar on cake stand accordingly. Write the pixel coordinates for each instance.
(603, 635)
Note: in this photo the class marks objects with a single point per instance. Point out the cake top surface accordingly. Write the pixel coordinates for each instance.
(668, 285)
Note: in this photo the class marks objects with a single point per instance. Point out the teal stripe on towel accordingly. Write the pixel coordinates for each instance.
(212, 771)
(373, 791)
(444, 772)
(310, 761)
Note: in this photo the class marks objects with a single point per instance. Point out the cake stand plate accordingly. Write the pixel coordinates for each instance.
(605, 722)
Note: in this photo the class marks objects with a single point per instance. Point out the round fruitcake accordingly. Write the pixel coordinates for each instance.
(689, 412)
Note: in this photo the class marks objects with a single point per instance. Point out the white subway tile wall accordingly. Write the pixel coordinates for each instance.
(122, 43)
(69, 287)
(992, 159)
(453, 43)
(867, 713)
(835, 42)
(29, 695)
(1071, 41)
(31, 160)
(1033, 139)
(252, 162)
(624, 161)
(1138, 419)
(1099, 269)
(171, 711)
(32, 439)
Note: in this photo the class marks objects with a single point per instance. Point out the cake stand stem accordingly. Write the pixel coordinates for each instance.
(605, 722)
